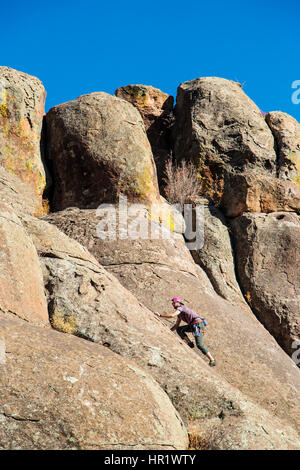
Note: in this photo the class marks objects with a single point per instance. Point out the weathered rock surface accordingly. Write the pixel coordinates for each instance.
(151, 102)
(156, 109)
(22, 101)
(248, 192)
(223, 132)
(60, 392)
(218, 126)
(83, 226)
(21, 279)
(216, 256)
(286, 131)
(156, 270)
(98, 148)
(18, 195)
(267, 249)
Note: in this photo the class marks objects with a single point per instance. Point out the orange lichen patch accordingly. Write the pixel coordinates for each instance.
(147, 99)
(25, 127)
(248, 297)
(43, 210)
(21, 155)
(212, 185)
(4, 121)
(20, 129)
(295, 157)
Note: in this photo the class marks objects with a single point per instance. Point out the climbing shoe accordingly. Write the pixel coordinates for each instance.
(212, 363)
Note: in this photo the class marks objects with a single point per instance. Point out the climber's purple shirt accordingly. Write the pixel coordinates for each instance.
(186, 314)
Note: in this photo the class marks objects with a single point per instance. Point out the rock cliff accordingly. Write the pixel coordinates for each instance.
(84, 361)
(22, 107)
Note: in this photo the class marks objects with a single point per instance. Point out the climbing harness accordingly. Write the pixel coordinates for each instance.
(199, 326)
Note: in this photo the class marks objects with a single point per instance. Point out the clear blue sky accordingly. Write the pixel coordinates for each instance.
(77, 47)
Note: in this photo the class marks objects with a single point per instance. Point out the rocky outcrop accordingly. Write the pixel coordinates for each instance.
(224, 133)
(216, 255)
(267, 260)
(73, 394)
(247, 167)
(286, 131)
(97, 148)
(156, 109)
(21, 286)
(248, 192)
(221, 129)
(22, 101)
(156, 270)
(100, 278)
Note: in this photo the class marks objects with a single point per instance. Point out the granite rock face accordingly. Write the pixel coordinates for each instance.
(154, 271)
(21, 279)
(248, 192)
(286, 131)
(245, 164)
(73, 394)
(113, 375)
(267, 259)
(22, 107)
(18, 196)
(216, 256)
(221, 129)
(156, 109)
(97, 148)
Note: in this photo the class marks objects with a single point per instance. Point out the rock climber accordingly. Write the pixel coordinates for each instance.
(195, 325)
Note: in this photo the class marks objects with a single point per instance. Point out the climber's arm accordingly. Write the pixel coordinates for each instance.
(168, 315)
(176, 324)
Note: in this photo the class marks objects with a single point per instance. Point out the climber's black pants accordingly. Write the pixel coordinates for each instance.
(182, 330)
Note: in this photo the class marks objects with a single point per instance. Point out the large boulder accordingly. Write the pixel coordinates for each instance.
(59, 392)
(156, 109)
(286, 131)
(22, 107)
(224, 133)
(21, 279)
(154, 271)
(218, 125)
(97, 148)
(267, 260)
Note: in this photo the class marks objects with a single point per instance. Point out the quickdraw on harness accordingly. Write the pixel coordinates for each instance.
(199, 326)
